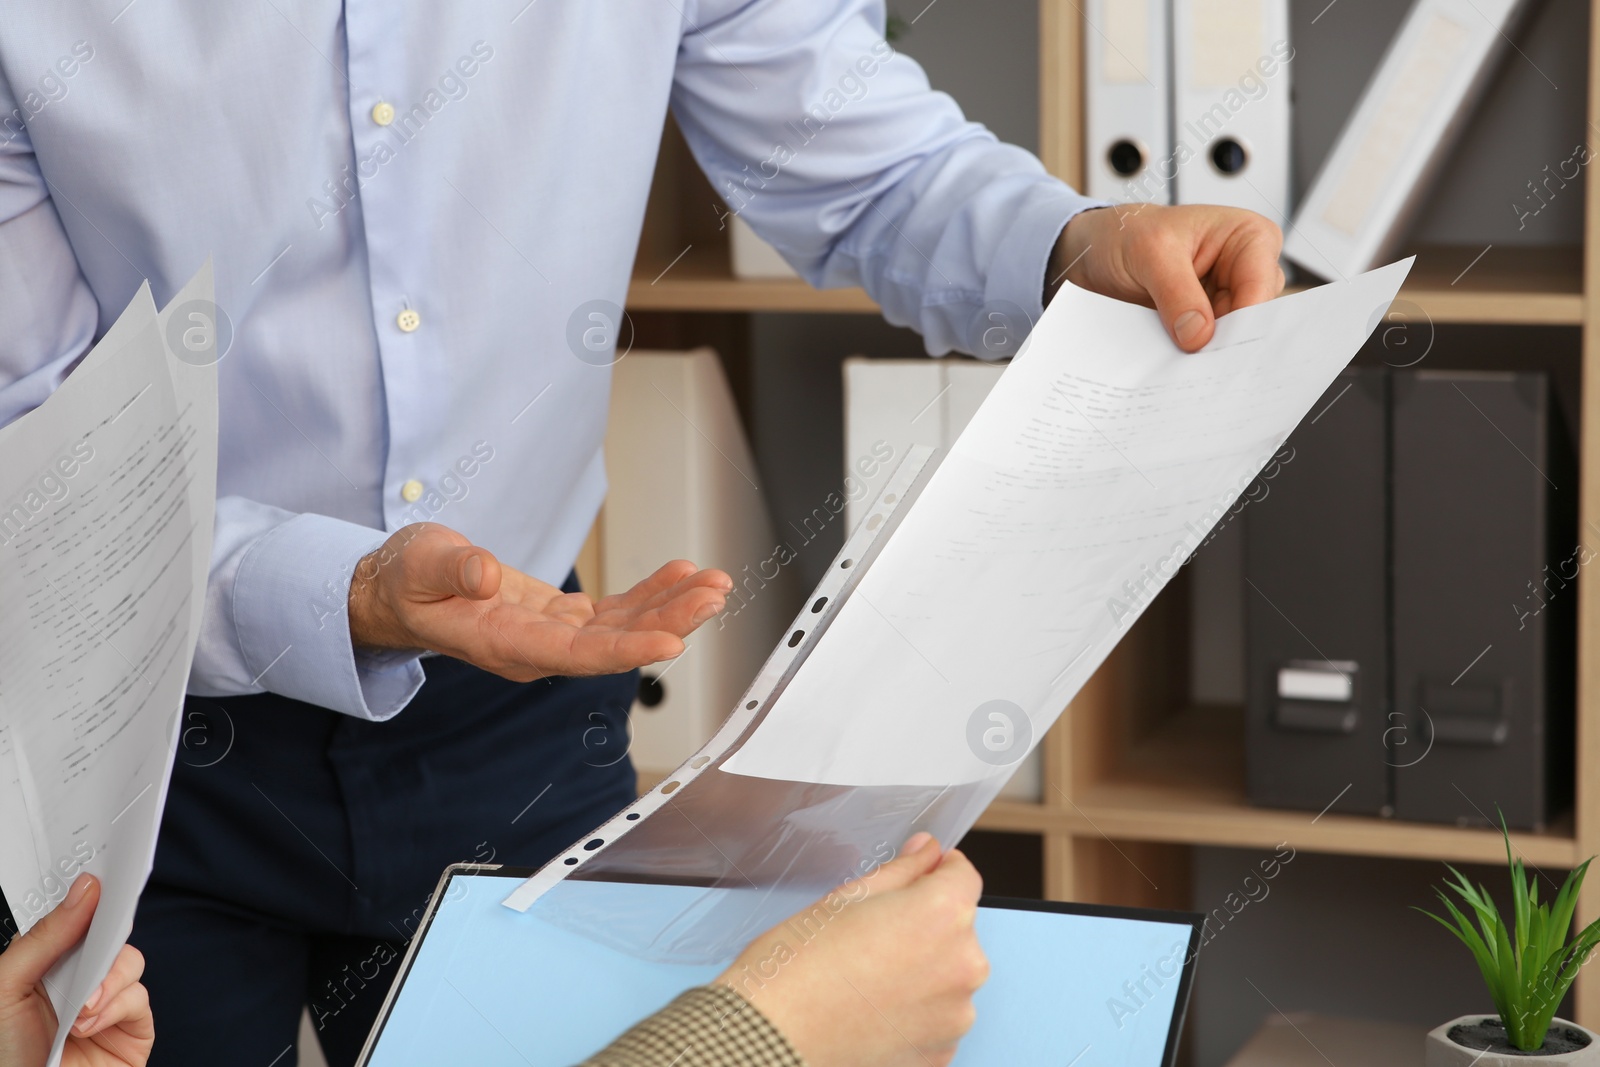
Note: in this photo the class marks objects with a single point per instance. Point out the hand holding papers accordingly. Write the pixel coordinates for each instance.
(107, 493)
(1095, 467)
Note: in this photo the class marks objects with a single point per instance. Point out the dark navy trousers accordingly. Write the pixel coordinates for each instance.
(299, 846)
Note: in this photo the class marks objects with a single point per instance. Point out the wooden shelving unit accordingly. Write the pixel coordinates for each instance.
(703, 281)
(1185, 784)
(1525, 286)
(1514, 285)
(1132, 781)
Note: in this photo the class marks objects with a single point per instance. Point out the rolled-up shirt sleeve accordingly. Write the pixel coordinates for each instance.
(276, 598)
(835, 149)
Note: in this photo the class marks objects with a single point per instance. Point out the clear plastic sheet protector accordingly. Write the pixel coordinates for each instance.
(966, 611)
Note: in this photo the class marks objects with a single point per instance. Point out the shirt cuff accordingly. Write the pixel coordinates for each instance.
(1017, 275)
(712, 1026)
(290, 610)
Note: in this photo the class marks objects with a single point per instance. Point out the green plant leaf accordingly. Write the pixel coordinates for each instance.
(1530, 965)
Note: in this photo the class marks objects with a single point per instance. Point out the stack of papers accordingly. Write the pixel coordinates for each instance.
(108, 493)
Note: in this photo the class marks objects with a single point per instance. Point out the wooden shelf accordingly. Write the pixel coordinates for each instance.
(1506, 285)
(1185, 785)
(1526, 286)
(703, 281)
(1019, 817)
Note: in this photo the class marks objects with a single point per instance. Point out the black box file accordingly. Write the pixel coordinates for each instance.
(1484, 562)
(1316, 610)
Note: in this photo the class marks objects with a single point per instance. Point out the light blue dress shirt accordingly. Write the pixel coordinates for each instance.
(412, 206)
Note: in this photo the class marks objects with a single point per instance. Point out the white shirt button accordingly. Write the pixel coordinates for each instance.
(408, 320)
(383, 112)
(411, 492)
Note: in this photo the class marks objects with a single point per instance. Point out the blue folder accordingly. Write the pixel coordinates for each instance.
(1070, 984)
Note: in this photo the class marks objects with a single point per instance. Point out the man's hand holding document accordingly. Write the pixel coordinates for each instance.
(974, 602)
(1099, 462)
(1096, 466)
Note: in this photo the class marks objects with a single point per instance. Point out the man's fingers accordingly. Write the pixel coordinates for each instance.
(477, 573)
(687, 610)
(1167, 272)
(700, 582)
(652, 594)
(1249, 263)
(29, 956)
(614, 651)
(665, 577)
(1196, 263)
(709, 578)
(1256, 291)
(642, 648)
(459, 570)
(534, 630)
(525, 649)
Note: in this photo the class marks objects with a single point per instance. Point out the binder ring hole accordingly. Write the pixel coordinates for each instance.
(670, 787)
(633, 816)
(700, 761)
(571, 861)
(890, 498)
(822, 602)
(750, 706)
(590, 846)
(875, 522)
(847, 564)
(1228, 156)
(1126, 158)
(796, 637)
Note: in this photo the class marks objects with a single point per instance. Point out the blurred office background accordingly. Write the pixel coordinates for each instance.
(1162, 759)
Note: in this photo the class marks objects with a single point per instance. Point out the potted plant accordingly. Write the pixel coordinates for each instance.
(1528, 969)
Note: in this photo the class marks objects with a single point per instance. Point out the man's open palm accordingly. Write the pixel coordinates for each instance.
(430, 588)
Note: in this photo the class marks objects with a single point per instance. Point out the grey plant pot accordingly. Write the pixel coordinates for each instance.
(1443, 1052)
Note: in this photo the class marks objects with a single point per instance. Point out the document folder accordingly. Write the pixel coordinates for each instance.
(684, 485)
(1316, 606)
(1129, 101)
(1485, 558)
(1401, 132)
(1231, 64)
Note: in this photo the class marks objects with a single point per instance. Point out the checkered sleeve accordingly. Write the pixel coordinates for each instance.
(711, 1026)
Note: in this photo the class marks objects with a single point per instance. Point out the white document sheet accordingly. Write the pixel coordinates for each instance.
(107, 496)
(1094, 468)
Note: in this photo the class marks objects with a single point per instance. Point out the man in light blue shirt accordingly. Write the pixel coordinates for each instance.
(409, 207)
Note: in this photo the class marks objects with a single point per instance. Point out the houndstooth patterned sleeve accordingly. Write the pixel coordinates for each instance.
(711, 1026)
